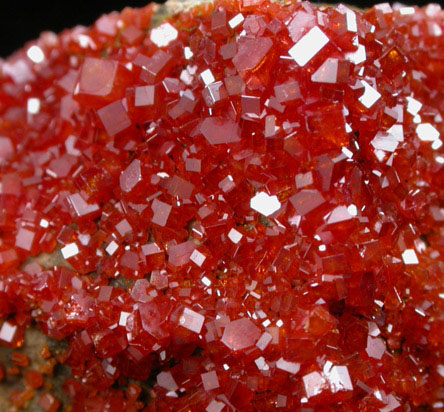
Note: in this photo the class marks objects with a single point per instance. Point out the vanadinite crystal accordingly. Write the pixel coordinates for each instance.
(238, 208)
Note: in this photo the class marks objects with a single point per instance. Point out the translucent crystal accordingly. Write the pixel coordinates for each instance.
(357, 57)
(392, 404)
(193, 165)
(132, 34)
(240, 334)
(144, 96)
(290, 367)
(114, 117)
(215, 406)
(251, 106)
(303, 179)
(287, 92)
(154, 66)
(301, 22)
(140, 291)
(131, 176)
(81, 207)
(24, 239)
(97, 77)
(339, 214)
(251, 51)
(150, 249)
(192, 321)
(314, 384)
(166, 381)
(6, 148)
(261, 364)
(235, 85)
(197, 257)
(264, 341)
(270, 126)
(123, 228)
(385, 141)
(180, 187)
(228, 51)
(210, 380)
(161, 212)
(214, 93)
(375, 348)
(180, 254)
(306, 200)
(218, 130)
(331, 71)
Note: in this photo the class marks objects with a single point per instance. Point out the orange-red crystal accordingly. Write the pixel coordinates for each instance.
(249, 197)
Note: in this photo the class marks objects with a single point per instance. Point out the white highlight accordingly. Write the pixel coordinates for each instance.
(413, 106)
(409, 257)
(290, 367)
(353, 210)
(236, 20)
(191, 320)
(44, 223)
(35, 54)
(384, 141)
(264, 204)
(370, 96)
(188, 53)
(123, 318)
(33, 105)
(207, 77)
(70, 250)
(339, 379)
(406, 11)
(426, 132)
(7, 332)
(163, 35)
(234, 236)
(351, 21)
(198, 258)
(308, 46)
(357, 57)
(111, 248)
(264, 340)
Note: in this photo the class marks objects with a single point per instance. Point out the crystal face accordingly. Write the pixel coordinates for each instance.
(308, 46)
(238, 208)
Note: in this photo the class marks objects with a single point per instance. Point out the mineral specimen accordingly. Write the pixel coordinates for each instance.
(239, 207)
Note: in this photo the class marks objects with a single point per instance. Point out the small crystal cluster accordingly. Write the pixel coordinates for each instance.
(248, 199)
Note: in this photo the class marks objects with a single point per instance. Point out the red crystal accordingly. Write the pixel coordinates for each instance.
(33, 379)
(248, 202)
(49, 403)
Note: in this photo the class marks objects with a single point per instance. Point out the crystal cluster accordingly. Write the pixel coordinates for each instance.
(248, 200)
